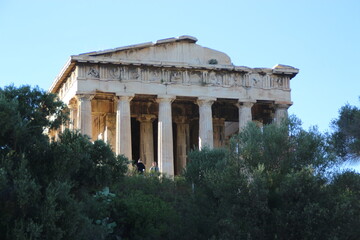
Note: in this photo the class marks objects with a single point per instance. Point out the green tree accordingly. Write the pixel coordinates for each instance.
(270, 185)
(343, 203)
(298, 206)
(204, 161)
(44, 185)
(24, 115)
(346, 135)
(281, 148)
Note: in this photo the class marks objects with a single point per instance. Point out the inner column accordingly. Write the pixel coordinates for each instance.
(206, 135)
(219, 132)
(146, 139)
(182, 142)
(165, 135)
(110, 130)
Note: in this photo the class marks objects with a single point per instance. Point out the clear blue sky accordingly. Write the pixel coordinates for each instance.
(321, 38)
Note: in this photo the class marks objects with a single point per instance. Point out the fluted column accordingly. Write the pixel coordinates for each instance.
(281, 112)
(123, 126)
(182, 142)
(84, 121)
(165, 135)
(110, 130)
(72, 116)
(146, 139)
(245, 115)
(206, 135)
(219, 132)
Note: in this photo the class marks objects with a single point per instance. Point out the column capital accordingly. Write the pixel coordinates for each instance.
(284, 105)
(72, 103)
(146, 118)
(124, 96)
(247, 104)
(203, 101)
(84, 97)
(218, 120)
(181, 119)
(165, 98)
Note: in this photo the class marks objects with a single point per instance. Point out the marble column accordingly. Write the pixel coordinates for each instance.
(123, 126)
(110, 130)
(72, 116)
(182, 142)
(245, 115)
(84, 118)
(146, 139)
(206, 135)
(219, 132)
(165, 135)
(281, 112)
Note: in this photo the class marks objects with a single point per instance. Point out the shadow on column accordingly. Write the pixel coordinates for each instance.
(135, 139)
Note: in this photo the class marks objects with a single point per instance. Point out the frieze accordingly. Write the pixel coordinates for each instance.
(154, 75)
(176, 76)
(196, 77)
(93, 72)
(185, 76)
(114, 73)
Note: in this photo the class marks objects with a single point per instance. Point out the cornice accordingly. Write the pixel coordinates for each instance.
(163, 64)
(64, 73)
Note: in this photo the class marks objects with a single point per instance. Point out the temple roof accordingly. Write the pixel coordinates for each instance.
(180, 52)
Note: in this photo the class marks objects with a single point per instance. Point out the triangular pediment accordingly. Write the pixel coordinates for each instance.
(178, 50)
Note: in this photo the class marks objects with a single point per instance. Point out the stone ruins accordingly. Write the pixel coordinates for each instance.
(157, 101)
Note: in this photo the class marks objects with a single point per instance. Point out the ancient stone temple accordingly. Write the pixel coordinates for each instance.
(157, 101)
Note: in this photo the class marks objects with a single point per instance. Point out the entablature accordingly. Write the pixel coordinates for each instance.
(171, 74)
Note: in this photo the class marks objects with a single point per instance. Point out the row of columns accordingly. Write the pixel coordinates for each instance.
(165, 131)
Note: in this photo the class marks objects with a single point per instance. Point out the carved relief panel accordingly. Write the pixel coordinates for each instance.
(184, 76)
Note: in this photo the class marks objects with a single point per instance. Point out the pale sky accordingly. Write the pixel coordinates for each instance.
(321, 38)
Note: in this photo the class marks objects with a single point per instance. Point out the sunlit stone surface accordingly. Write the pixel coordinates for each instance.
(157, 101)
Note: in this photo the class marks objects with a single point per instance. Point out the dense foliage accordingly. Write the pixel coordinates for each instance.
(346, 138)
(272, 183)
(46, 187)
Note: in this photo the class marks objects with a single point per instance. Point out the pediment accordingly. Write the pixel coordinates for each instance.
(178, 50)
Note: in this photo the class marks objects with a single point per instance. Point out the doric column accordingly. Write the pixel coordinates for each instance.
(110, 130)
(72, 115)
(219, 132)
(165, 135)
(146, 139)
(84, 118)
(245, 115)
(281, 112)
(182, 142)
(206, 135)
(123, 126)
